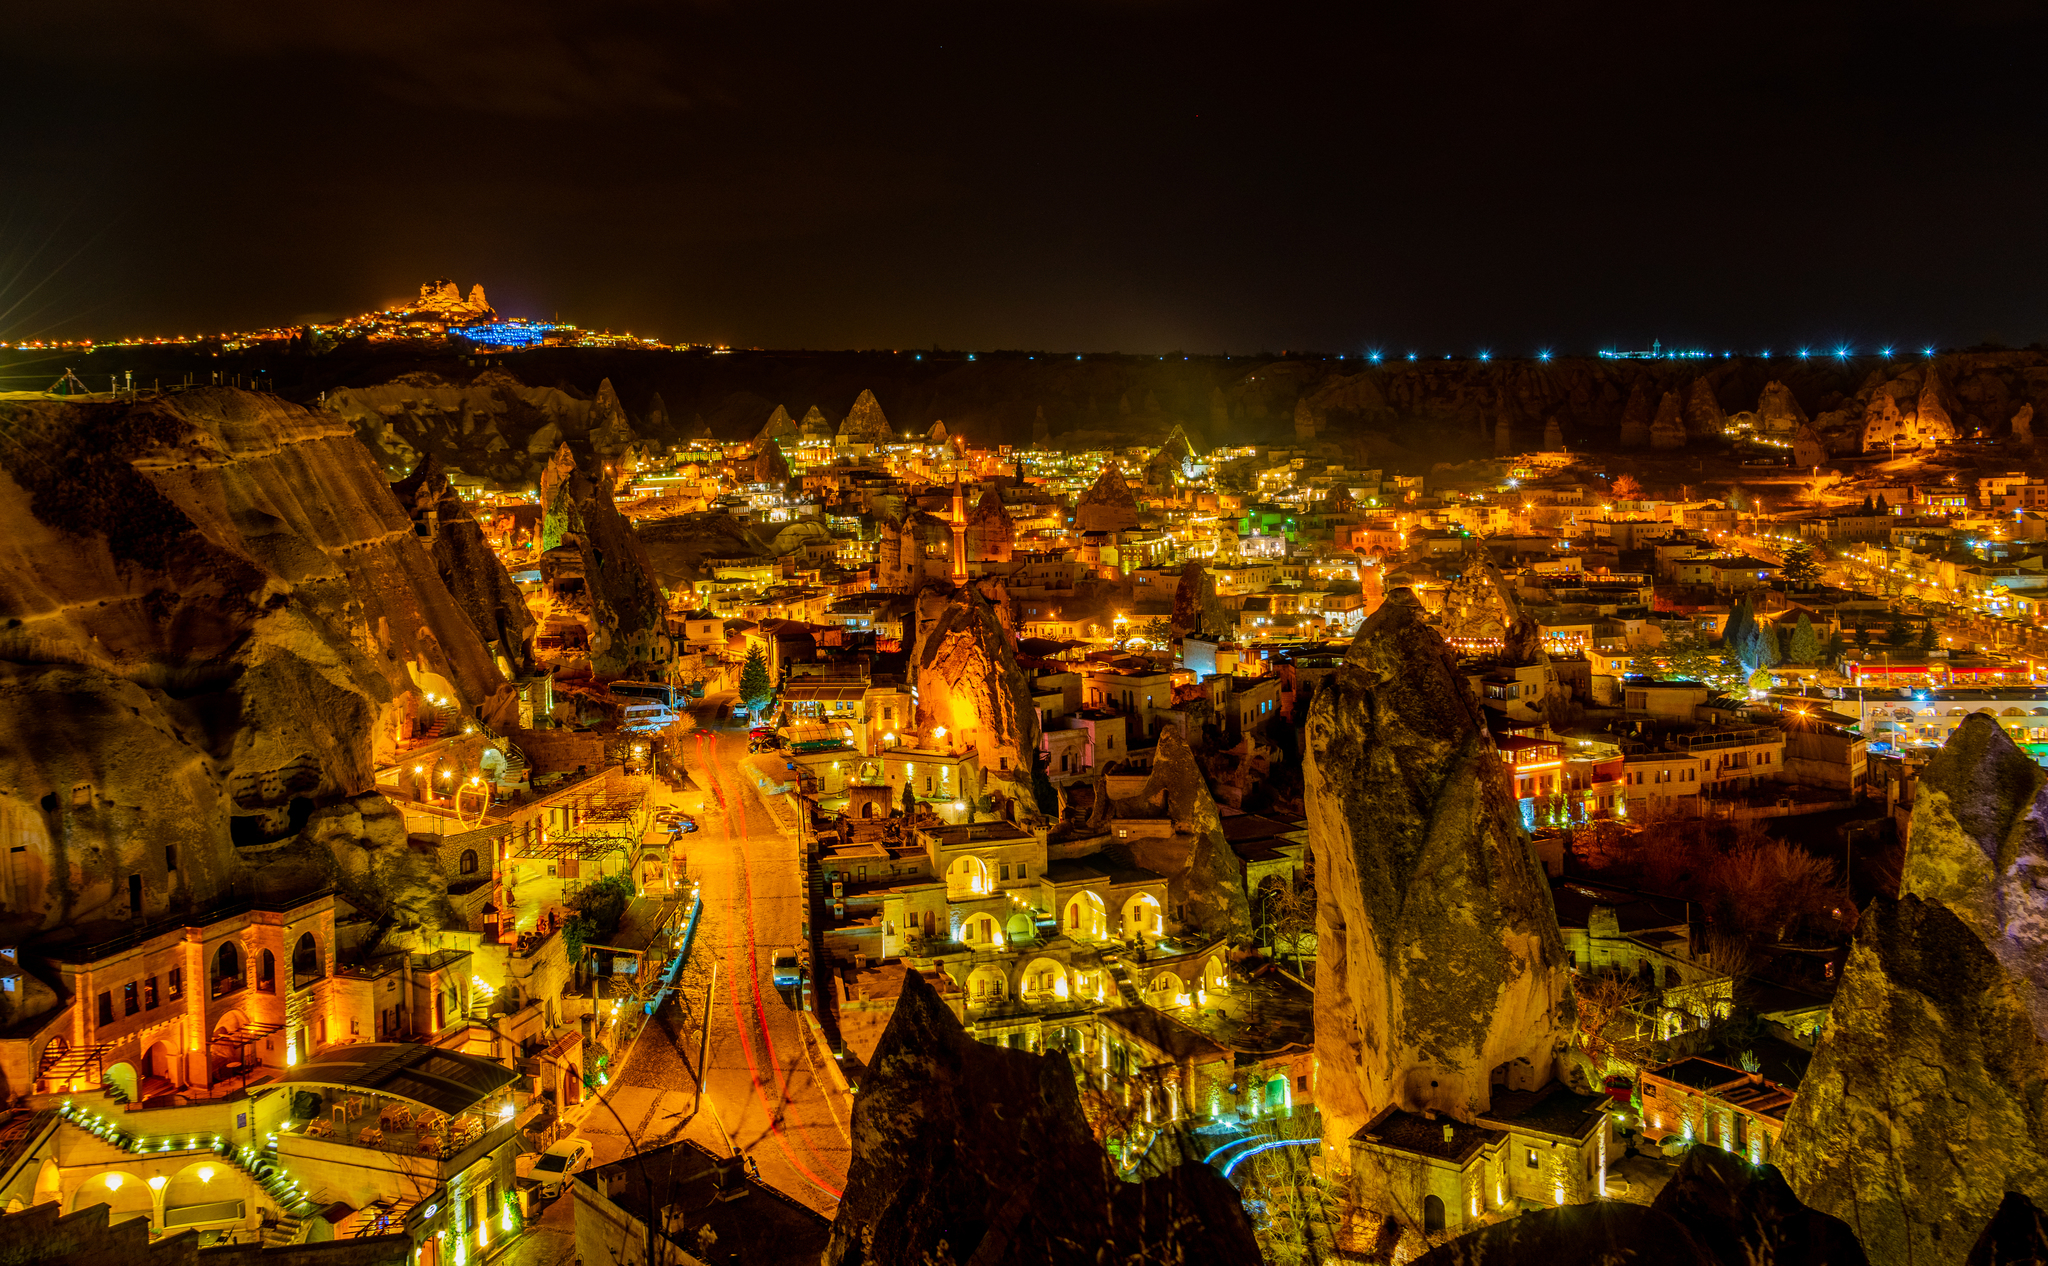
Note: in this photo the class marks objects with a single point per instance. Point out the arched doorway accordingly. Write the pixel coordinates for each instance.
(223, 1055)
(1020, 927)
(1164, 990)
(159, 1063)
(1044, 979)
(1086, 916)
(1141, 918)
(967, 877)
(986, 984)
(122, 1080)
(266, 973)
(1432, 1215)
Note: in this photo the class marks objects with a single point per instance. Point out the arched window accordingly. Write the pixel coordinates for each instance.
(468, 863)
(227, 969)
(266, 973)
(306, 957)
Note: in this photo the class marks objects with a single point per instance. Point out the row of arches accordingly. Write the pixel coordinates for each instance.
(128, 1195)
(229, 964)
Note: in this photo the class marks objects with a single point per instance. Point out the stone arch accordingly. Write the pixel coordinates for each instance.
(266, 972)
(1215, 974)
(987, 984)
(1164, 989)
(968, 876)
(49, 1182)
(227, 968)
(1021, 926)
(160, 1061)
(1044, 978)
(306, 956)
(125, 1195)
(981, 929)
(198, 1183)
(1432, 1214)
(1141, 919)
(1086, 917)
(122, 1079)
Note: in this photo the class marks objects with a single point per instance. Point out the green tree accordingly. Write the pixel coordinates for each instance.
(1801, 568)
(756, 691)
(1741, 637)
(1157, 632)
(1760, 680)
(599, 908)
(909, 801)
(1805, 642)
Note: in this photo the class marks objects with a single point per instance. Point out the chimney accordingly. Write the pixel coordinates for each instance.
(1448, 1132)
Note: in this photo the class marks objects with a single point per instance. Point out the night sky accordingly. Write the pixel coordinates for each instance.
(1142, 176)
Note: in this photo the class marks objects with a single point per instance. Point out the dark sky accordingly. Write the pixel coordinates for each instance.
(1141, 176)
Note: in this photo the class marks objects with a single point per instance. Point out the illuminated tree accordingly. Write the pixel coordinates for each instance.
(1805, 647)
(1801, 568)
(1628, 488)
(756, 691)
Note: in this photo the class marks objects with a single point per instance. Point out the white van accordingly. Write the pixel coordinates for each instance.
(642, 718)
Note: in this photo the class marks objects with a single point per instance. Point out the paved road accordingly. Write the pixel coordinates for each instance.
(761, 1093)
(761, 1079)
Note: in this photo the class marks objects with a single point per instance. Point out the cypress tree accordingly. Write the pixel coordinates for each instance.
(1805, 642)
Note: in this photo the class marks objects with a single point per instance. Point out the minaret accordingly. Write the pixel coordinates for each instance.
(959, 531)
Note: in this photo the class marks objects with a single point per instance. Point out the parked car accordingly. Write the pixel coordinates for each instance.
(786, 970)
(568, 1156)
(682, 826)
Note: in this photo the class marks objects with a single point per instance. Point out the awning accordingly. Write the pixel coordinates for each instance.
(447, 1081)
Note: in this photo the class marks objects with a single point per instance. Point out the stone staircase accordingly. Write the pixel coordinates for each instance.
(1126, 991)
(295, 1205)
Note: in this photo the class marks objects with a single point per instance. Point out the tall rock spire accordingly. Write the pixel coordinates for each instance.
(1441, 960)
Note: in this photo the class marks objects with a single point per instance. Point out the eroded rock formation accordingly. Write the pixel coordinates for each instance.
(865, 424)
(596, 569)
(1107, 505)
(965, 1152)
(469, 566)
(217, 618)
(1924, 1102)
(1441, 968)
(1204, 877)
(968, 682)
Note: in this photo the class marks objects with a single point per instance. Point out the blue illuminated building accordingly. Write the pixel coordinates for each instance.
(506, 333)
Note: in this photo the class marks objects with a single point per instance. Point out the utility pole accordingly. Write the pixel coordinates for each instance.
(704, 1038)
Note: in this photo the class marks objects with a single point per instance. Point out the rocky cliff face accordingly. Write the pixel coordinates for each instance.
(476, 579)
(214, 614)
(968, 681)
(597, 570)
(494, 426)
(1205, 878)
(1924, 1102)
(1442, 968)
(969, 1153)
